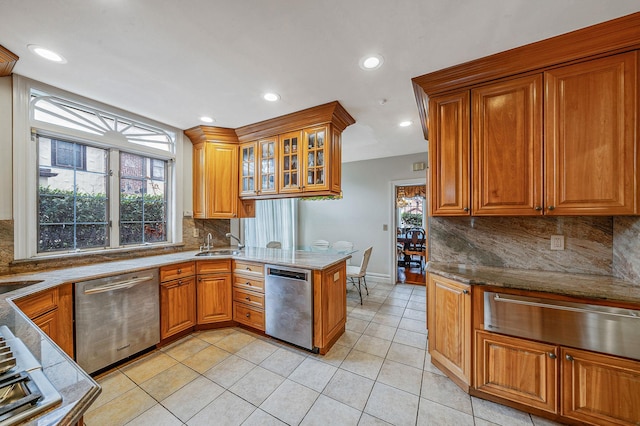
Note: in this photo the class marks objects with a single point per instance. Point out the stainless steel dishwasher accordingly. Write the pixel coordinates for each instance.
(288, 304)
(116, 317)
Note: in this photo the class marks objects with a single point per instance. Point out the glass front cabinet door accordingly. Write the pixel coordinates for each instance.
(248, 169)
(290, 156)
(316, 156)
(268, 170)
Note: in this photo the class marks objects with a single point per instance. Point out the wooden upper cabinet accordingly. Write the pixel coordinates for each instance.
(600, 389)
(590, 137)
(290, 146)
(507, 147)
(316, 154)
(267, 166)
(248, 169)
(449, 154)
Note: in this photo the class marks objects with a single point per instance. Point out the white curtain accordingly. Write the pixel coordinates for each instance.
(276, 220)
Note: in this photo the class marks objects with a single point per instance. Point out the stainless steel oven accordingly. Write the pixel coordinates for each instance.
(116, 317)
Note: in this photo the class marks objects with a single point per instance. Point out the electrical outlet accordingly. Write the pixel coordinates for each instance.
(196, 233)
(187, 213)
(385, 227)
(557, 242)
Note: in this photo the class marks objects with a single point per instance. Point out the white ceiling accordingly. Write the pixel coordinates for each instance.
(174, 61)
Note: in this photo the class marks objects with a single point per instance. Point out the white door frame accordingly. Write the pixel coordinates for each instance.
(393, 267)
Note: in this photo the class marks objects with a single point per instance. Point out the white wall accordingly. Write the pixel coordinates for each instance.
(365, 207)
(6, 147)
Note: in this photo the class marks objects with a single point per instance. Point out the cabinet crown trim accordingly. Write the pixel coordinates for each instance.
(200, 134)
(8, 60)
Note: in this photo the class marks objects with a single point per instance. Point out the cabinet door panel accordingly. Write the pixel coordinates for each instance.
(317, 145)
(222, 175)
(199, 182)
(449, 154)
(449, 323)
(600, 389)
(268, 166)
(519, 370)
(590, 131)
(177, 306)
(507, 148)
(214, 298)
(291, 161)
(248, 169)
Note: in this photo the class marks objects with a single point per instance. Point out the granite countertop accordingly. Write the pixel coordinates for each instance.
(77, 388)
(598, 287)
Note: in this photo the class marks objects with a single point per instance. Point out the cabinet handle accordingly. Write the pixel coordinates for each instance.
(466, 209)
(179, 271)
(568, 357)
(248, 315)
(465, 291)
(537, 208)
(248, 298)
(552, 207)
(200, 279)
(179, 282)
(552, 355)
(248, 283)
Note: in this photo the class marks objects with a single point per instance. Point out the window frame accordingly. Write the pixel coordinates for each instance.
(25, 178)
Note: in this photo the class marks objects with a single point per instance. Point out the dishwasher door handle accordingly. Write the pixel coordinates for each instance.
(592, 310)
(118, 285)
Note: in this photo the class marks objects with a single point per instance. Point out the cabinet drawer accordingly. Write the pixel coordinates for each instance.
(39, 303)
(248, 297)
(213, 266)
(248, 283)
(179, 270)
(249, 268)
(248, 315)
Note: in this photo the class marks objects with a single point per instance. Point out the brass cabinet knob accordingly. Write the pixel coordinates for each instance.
(248, 298)
(552, 355)
(552, 207)
(179, 271)
(466, 209)
(537, 208)
(248, 315)
(465, 291)
(568, 357)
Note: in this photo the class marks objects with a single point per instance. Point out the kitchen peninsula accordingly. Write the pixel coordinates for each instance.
(79, 390)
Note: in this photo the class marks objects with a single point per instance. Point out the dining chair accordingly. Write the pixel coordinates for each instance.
(343, 247)
(415, 245)
(360, 273)
(274, 244)
(320, 245)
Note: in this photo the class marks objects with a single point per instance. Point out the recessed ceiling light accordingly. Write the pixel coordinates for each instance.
(206, 119)
(271, 97)
(47, 54)
(371, 62)
(405, 123)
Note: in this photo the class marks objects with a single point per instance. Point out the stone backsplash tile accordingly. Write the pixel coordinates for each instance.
(626, 248)
(519, 242)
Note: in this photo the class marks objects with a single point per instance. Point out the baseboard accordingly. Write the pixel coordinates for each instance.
(378, 278)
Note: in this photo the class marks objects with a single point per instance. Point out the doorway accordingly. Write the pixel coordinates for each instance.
(409, 238)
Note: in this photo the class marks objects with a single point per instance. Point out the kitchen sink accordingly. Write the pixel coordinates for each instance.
(221, 252)
(8, 286)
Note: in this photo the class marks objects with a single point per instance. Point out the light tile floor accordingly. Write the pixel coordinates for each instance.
(377, 373)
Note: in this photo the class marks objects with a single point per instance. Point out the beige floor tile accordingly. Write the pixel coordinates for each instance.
(147, 367)
(431, 413)
(313, 374)
(356, 325)
(401, 295)
(419, 326)
(362, 363)
(414, 314)
(290, 402)
(213, 336)
(428, 366)
(282, 362)
(369, 420)
(499, 414)
(372, 345)
(349, 388)
(234, 342)
(418, 298)
(261, 418)
(185, 348)
(189, 400)
(380, 331)
(206, 358)
(335, 356)
(376, 292)
(401, 376)
(411, 338)
(257, 351)
(155, 416)
(395, 301)
(483, 422)
(122, 409)
(391, 310)
(386, 319)
(379, 300)
(348, 338)
(227, 409)
(406, 355)
(442, 390)
(229, 371)
(539, 421)
(418, 306)
(113, 385)
(392, 405)
(363, 314)
(257, 385)
(327, 411)
(164, 384)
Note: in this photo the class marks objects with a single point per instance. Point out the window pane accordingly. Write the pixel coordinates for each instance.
(143, 204)
(72, 196)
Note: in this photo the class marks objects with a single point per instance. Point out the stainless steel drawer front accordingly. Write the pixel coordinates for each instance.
(609, 330)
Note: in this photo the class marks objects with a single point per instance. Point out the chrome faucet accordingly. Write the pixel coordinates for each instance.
(230, 235)
(209, 237)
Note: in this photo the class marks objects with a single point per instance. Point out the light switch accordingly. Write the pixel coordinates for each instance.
(385, 227)
(196, 233)
(557, 242)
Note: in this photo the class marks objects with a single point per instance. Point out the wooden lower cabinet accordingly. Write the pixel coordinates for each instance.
(600, 389)
(248, 294)
(52, 311)
(449, 324)
(177, 306)
(329, 305)
(520, 370)
(214, 291)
